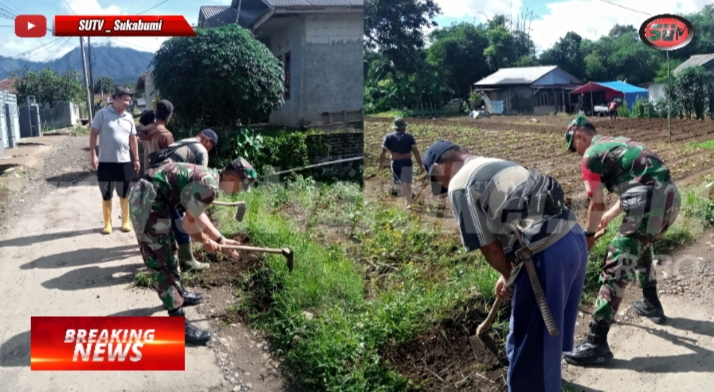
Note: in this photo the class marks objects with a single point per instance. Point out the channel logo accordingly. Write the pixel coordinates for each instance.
(30, 26)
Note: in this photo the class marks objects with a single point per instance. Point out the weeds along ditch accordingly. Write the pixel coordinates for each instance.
(380, 299)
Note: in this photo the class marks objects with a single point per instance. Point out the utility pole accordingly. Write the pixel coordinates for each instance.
(86, 80)
(669, 86)
(238, 12)
(91, 69)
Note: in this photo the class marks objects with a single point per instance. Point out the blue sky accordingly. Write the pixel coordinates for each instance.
(10, 45)
(552, 19)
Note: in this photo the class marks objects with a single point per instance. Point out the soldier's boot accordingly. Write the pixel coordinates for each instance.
(650, 306)
(194, 335)
(188, 262)
(125, 219)
(190, 299)
(107, 212)
(594, 350)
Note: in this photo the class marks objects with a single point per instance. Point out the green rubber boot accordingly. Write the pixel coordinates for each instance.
(188, 262)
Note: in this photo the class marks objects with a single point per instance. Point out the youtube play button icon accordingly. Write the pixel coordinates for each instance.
(30, 26)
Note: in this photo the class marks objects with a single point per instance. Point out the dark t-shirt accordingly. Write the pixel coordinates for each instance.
(401, 143)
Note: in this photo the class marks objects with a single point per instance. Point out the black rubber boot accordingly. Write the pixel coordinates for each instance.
(650, 306)
(194, 335)
(191, 299)
(594, 350)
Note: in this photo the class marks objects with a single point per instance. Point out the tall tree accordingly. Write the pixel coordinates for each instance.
(567, 54)
(457, 52)
(396, 29)
(48, 86)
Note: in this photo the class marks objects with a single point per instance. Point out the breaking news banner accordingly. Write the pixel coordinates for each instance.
(107, 343)
(122, 26)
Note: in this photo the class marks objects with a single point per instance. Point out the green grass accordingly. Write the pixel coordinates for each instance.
(707, 145)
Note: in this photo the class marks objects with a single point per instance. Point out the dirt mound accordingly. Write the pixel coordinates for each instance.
(441, 358)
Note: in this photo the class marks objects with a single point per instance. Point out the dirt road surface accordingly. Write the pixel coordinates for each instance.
(56, 262)
(676, 356)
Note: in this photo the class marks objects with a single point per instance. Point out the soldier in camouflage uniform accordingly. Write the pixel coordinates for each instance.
(650, 201)
(193, 188)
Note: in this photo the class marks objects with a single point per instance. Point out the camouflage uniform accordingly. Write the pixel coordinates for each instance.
(161, 189)
(651, 203)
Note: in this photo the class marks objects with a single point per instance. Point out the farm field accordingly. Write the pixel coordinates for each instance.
(536, 142)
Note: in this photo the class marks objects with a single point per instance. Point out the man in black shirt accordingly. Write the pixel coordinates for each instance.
(401, 145)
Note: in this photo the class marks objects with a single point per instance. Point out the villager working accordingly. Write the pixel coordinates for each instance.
(118, 144)
(195, 151)
(193, 188)
(506, 211)
(401, 145)
(650, 201)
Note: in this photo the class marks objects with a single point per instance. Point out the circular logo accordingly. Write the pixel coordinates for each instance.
(667, 32)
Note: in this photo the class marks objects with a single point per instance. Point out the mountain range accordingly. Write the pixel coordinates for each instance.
(124, 65)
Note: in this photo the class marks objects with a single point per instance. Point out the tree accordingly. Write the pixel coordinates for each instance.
(104, 84)
(507, 47)
(693, 90)
(48, 87)
(566, 54)
(396, 29)
(457, 53)
(219, 76)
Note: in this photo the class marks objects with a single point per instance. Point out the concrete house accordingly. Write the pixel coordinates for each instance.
(145, 84)
(655, 90)
(528, 90)
(704, 60)
(320, 45)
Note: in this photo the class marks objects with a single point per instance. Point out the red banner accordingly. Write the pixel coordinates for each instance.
(107, 343)
(122, 26)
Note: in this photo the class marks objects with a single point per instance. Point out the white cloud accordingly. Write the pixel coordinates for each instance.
(591, 19)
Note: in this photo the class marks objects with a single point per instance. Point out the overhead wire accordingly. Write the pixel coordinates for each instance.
(625, 7)
(58, 50)
(37, 48)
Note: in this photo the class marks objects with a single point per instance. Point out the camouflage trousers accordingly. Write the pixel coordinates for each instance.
(151, 219)
(649, 213)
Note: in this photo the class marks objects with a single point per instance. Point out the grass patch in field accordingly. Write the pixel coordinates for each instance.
(707, 145)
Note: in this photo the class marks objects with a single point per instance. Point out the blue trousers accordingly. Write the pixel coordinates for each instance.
(534, 355)
(176, 221)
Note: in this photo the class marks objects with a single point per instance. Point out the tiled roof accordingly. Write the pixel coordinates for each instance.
(697, 59)
(7, 84)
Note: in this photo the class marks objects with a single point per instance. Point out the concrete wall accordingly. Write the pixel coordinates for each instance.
(656, 91)
(290, 39)
(332, 68)
(326, 147)
(62, 115)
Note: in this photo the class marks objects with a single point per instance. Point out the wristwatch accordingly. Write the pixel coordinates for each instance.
(219, 239)
(589, 233)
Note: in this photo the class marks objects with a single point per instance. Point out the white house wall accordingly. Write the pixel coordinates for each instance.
(656, 91)
(332, 67)
(290, 39)
(555, 77)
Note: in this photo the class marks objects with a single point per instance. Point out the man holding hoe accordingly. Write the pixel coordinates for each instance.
(193, 188)
(195, 151)
(650, 202)
(507, 211)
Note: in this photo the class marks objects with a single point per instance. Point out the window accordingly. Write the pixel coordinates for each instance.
(544, 99)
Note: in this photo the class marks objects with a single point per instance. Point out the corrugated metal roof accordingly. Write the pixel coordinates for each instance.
(697, 59)
(316, 3)
(521, 75)
(250, 11)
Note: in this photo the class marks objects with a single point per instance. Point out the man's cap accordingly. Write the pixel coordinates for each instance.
(399, 123)
(241, 166)
(577, 123)
(165, 106)
(147, 117)
(431, 156)
(122, 90)
(211, 135)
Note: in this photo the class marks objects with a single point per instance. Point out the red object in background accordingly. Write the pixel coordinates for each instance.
(127, 26)
(30, 26)
(48, 350)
